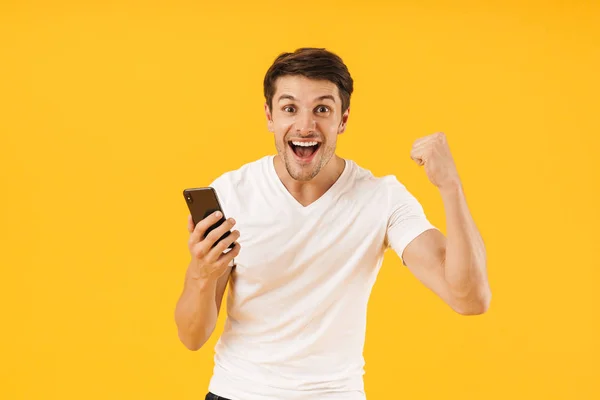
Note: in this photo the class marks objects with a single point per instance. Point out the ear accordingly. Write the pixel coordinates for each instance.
(269, 118)
(344, 122)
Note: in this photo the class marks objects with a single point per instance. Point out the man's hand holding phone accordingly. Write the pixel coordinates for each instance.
(210, 263)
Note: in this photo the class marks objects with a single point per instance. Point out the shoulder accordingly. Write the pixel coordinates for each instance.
(239, 185)
(231, 179)
(385, 186)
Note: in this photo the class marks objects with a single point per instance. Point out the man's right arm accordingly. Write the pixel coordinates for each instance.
(198, 309)
(205, 280)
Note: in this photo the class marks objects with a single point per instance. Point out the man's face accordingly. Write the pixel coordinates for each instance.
(306, 119)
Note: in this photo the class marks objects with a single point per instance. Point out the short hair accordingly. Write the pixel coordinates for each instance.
(312, 63)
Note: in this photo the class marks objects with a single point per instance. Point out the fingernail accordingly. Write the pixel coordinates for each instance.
(218, 214)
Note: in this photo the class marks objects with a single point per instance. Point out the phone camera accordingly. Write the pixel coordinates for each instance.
(188, 198)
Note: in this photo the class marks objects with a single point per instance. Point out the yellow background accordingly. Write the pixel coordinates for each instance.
(109, 110)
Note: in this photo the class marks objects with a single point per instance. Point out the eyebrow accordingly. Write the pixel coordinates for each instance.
(290, 97)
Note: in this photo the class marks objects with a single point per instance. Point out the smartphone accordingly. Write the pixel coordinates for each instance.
(202, 202)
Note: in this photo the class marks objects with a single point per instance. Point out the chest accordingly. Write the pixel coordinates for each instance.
(282, 243)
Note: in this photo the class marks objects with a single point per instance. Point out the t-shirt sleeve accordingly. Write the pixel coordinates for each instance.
(220, 186)
(406, 218)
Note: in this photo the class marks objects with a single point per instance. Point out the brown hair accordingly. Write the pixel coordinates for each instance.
(312, 63)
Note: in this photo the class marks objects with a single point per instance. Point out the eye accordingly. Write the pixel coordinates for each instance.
(322, 109)
(289, 109)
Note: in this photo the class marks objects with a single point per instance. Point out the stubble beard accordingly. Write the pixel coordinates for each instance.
(303, 174)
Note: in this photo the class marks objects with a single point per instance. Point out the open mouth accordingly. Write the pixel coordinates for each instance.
(304, 150)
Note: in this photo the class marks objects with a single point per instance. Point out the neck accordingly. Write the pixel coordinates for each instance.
(308, 192)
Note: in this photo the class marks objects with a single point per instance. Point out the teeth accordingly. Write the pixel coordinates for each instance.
(305, 144)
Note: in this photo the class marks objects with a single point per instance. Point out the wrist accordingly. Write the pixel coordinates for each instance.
(203, 285)
(451, 187)
(200, 281)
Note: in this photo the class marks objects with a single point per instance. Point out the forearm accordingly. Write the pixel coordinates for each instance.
(196, 312)
(465, 259)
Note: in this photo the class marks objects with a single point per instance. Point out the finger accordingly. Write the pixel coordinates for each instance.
(223, 245)
(417, 155)
(419, 142)
(439, 136)
(226, 258)
(203, 225)
(421, 151)
(190, 225)
(216, 233)
(199, 250)
(426, 140)
(423, 140)
(424, 144)
(419, 161)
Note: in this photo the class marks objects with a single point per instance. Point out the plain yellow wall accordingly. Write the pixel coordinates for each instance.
(108, 110)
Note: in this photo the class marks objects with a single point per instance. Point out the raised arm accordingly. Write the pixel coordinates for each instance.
(454, 267)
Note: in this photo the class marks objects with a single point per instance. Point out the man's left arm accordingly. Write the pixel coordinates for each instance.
(454, 267)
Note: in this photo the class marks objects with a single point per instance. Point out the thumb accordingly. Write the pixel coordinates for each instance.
(417, 159)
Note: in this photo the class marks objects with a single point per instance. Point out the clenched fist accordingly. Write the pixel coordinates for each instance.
(434, 154)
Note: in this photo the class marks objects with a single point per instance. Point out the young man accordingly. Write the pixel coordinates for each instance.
(314, 228)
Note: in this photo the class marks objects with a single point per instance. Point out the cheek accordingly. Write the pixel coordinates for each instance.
(283, 125)
(329, 126)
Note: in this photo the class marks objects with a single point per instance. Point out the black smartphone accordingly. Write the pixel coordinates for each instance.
(202, 202)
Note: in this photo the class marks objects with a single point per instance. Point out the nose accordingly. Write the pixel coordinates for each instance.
(305, 123)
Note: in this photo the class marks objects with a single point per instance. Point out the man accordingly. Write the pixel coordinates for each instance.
(311, 232)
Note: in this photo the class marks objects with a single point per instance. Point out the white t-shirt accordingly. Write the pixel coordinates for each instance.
(297, 302)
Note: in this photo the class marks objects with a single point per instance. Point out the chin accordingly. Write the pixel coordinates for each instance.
(302, 172)
(303, 177)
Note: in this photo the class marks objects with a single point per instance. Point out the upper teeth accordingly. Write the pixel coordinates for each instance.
(305, 144)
